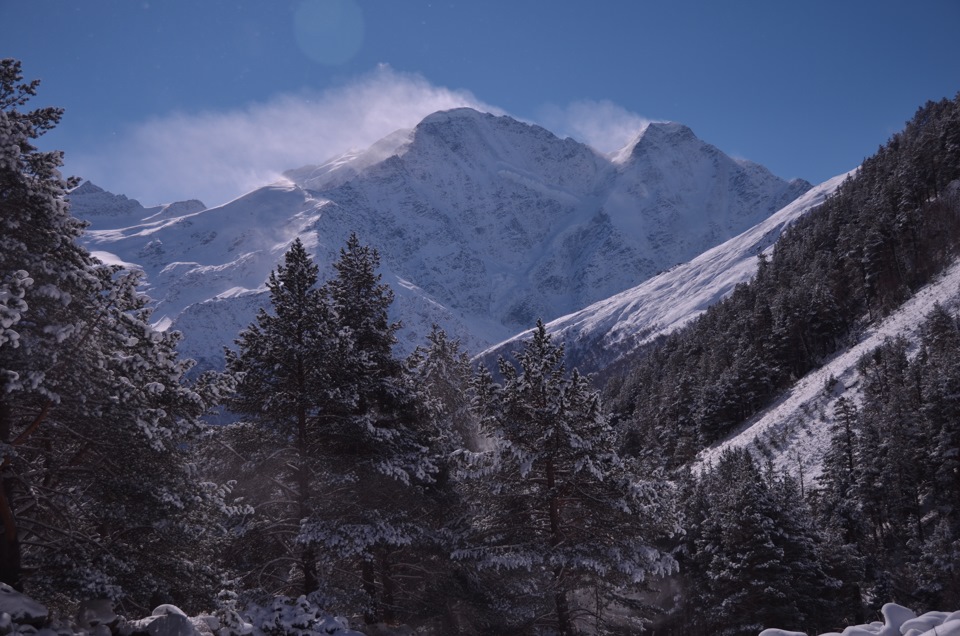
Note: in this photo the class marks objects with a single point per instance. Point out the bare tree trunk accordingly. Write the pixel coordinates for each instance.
(370, 587)
(308, 560)
(10, 557)
(564, 624)
(389, 588)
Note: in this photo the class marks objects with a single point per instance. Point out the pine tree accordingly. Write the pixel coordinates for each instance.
(838, 479)
(336, 446)
(939, 373)
(840, 512)
(937, 370)
(377, 440)
(444, 373)
(282, 365)
(753, 553)
(97, 497)
(559, 517)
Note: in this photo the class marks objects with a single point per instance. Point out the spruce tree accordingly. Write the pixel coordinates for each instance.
(839, 511)
(753, 554)
(444, 373)
(335, 450)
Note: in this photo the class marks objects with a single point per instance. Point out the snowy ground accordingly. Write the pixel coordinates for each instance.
(897, 621)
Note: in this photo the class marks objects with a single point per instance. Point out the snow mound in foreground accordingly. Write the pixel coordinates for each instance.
(20, 615)
(897, 621)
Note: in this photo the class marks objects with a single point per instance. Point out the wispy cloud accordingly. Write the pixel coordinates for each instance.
(216, 156)
(601, 124)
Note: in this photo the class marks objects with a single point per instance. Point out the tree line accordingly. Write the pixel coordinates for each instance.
(880, 524)
(363, 488)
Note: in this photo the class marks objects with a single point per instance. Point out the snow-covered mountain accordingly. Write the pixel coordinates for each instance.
(483, 223)
(102, 209)
(598, 335)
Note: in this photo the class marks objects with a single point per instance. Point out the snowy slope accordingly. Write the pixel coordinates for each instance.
(604, 331)
(794, 432)
(483, 223)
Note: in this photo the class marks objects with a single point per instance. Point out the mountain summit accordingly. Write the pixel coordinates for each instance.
(484, 224)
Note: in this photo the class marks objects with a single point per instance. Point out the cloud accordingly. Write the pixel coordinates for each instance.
(601, 124)
(217, 156)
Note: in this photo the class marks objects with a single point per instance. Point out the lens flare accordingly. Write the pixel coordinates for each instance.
(329, 32)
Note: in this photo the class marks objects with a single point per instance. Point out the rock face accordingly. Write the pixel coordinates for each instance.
(483, 223)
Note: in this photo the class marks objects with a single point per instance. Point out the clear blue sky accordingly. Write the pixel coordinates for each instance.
(168, 99)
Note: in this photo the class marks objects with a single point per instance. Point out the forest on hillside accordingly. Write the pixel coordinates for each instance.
(423, 491)
(885, 233)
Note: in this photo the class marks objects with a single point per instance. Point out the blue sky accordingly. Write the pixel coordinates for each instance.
(170, 99)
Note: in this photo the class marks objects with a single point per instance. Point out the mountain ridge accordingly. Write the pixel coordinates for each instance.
(483, 223)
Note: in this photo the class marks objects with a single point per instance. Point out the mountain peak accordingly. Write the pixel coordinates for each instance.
(491, 222)
(656, 134)
(668, 129)
(87, 187)
(659, 134)
(463, 113)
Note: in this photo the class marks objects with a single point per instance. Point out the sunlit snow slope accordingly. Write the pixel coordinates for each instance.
(599, 334)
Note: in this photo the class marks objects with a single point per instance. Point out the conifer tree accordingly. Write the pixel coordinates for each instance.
(282, 365)
(443, 371)
(97, 498)
(753, 554)
(559, 517)
(377, 441)
(838, 480)
(336, 446)
(840, 512)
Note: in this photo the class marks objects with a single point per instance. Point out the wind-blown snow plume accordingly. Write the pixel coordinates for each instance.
(603, 125)
(217, 156)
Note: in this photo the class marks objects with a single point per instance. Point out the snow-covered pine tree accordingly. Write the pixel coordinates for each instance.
(444, 373)
(97, 498)
(564, 529)
(34, 227)
(939, 378)
(376, 441)
(939, 371)
(894, 472)
(839, 511)
(283, 388)
(433, 584)
(752, 554)
(836, 500)
(334, 453)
